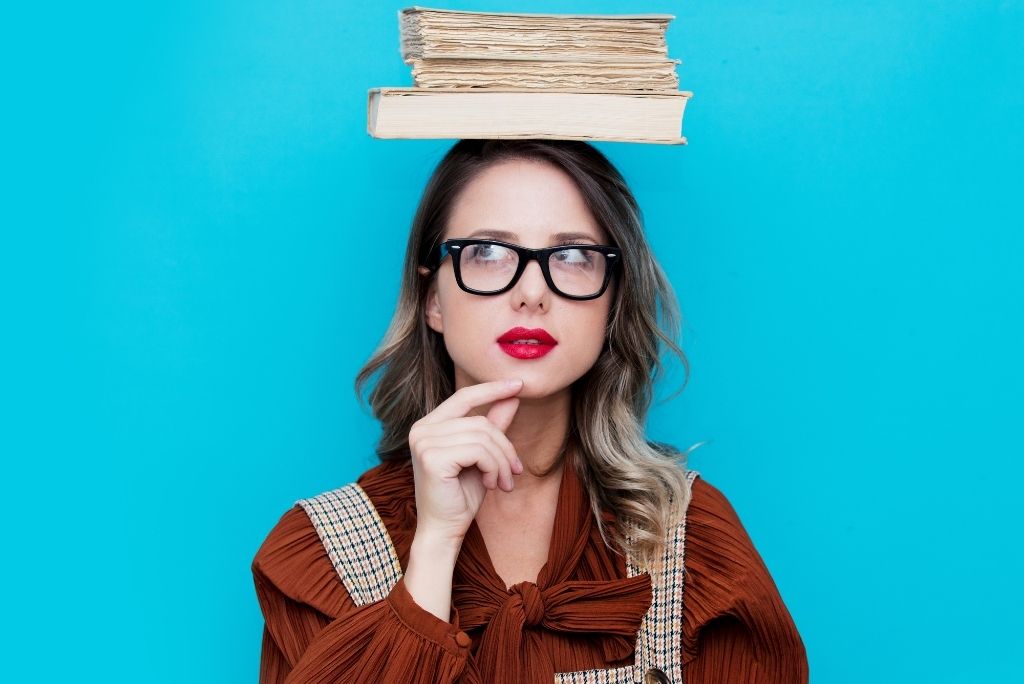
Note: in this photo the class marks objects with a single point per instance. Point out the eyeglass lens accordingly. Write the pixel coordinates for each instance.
(575, 271)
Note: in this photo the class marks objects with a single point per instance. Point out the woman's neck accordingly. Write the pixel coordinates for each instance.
(517, 526)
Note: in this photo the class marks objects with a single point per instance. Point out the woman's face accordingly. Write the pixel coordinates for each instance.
(532, 204)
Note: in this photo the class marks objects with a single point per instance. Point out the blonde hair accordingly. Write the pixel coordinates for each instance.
(640, 482)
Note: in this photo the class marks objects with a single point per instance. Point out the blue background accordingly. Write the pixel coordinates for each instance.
(187, 186)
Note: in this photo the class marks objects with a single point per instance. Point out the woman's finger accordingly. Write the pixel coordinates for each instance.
(468, 424)
(466, 399)
(502, 412)
(474, 455)
(440, 445)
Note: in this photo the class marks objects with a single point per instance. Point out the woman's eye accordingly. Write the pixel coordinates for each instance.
(487, 252)
(573, 256)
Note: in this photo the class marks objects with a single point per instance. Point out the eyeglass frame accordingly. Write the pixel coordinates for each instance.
(454, 247)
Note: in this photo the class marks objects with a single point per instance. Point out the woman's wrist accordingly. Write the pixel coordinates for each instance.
(428, 575)
(437, 543)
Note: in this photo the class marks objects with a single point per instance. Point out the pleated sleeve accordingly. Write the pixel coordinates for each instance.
(736, 627)
(315, 634)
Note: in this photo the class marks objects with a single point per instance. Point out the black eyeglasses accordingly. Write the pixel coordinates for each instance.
(490, 267)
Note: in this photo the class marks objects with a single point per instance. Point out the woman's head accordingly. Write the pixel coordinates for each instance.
(533, 204)
(538, 194)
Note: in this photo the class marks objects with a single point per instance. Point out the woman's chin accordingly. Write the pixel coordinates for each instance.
(537, 392)
(538, 389)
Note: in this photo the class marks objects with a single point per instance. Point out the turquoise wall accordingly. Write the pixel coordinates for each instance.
(188, 185)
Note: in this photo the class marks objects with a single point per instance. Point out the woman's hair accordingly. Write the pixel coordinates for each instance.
(638, 481)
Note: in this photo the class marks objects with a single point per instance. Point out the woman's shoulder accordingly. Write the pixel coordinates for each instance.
(710, 506)
(293, 556)
(725, 575)
(293, 560)
(717, 543)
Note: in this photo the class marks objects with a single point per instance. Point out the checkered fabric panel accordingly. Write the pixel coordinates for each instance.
(618, 675)
(661, 631)
(356, 541)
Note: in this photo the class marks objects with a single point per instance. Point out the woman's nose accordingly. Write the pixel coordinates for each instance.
(532, 290)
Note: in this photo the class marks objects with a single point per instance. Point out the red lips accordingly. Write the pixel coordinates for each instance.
(544, 343)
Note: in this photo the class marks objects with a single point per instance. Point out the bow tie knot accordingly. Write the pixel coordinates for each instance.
(532, 601)
(578, 595)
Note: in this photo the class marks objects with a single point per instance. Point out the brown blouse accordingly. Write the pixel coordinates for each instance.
(582, 613)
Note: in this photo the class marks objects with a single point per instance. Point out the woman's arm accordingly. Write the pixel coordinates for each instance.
(406, 637)
(736, 626)
(314, 632)
(728, 652)
(456, 458)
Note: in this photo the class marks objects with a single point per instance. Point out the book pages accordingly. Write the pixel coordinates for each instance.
(438, 33)
(494, 73)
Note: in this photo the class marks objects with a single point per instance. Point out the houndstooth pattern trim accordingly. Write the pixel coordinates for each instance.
(356, 541)
(658, 641)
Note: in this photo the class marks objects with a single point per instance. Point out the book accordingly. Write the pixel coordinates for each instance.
(630, 116)
(591, 74)
(432, 33)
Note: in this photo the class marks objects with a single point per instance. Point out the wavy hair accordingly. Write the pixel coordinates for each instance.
(640, 482)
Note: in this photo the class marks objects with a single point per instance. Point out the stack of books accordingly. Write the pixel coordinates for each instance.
(515, 75)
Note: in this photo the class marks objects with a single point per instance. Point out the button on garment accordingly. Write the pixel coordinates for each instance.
(656, 676)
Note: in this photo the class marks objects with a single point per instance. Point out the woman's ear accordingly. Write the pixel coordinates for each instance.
(431, 305)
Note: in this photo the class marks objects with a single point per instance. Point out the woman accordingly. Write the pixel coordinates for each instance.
(520, 527)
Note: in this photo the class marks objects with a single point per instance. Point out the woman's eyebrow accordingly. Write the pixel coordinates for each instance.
(565, 237)
(495, 234)
(508, 236)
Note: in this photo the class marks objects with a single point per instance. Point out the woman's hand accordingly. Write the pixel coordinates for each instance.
(456, 458)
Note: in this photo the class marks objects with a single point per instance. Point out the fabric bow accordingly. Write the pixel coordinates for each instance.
(566, 599)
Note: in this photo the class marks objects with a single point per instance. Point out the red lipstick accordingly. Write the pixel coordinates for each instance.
(526, 343)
